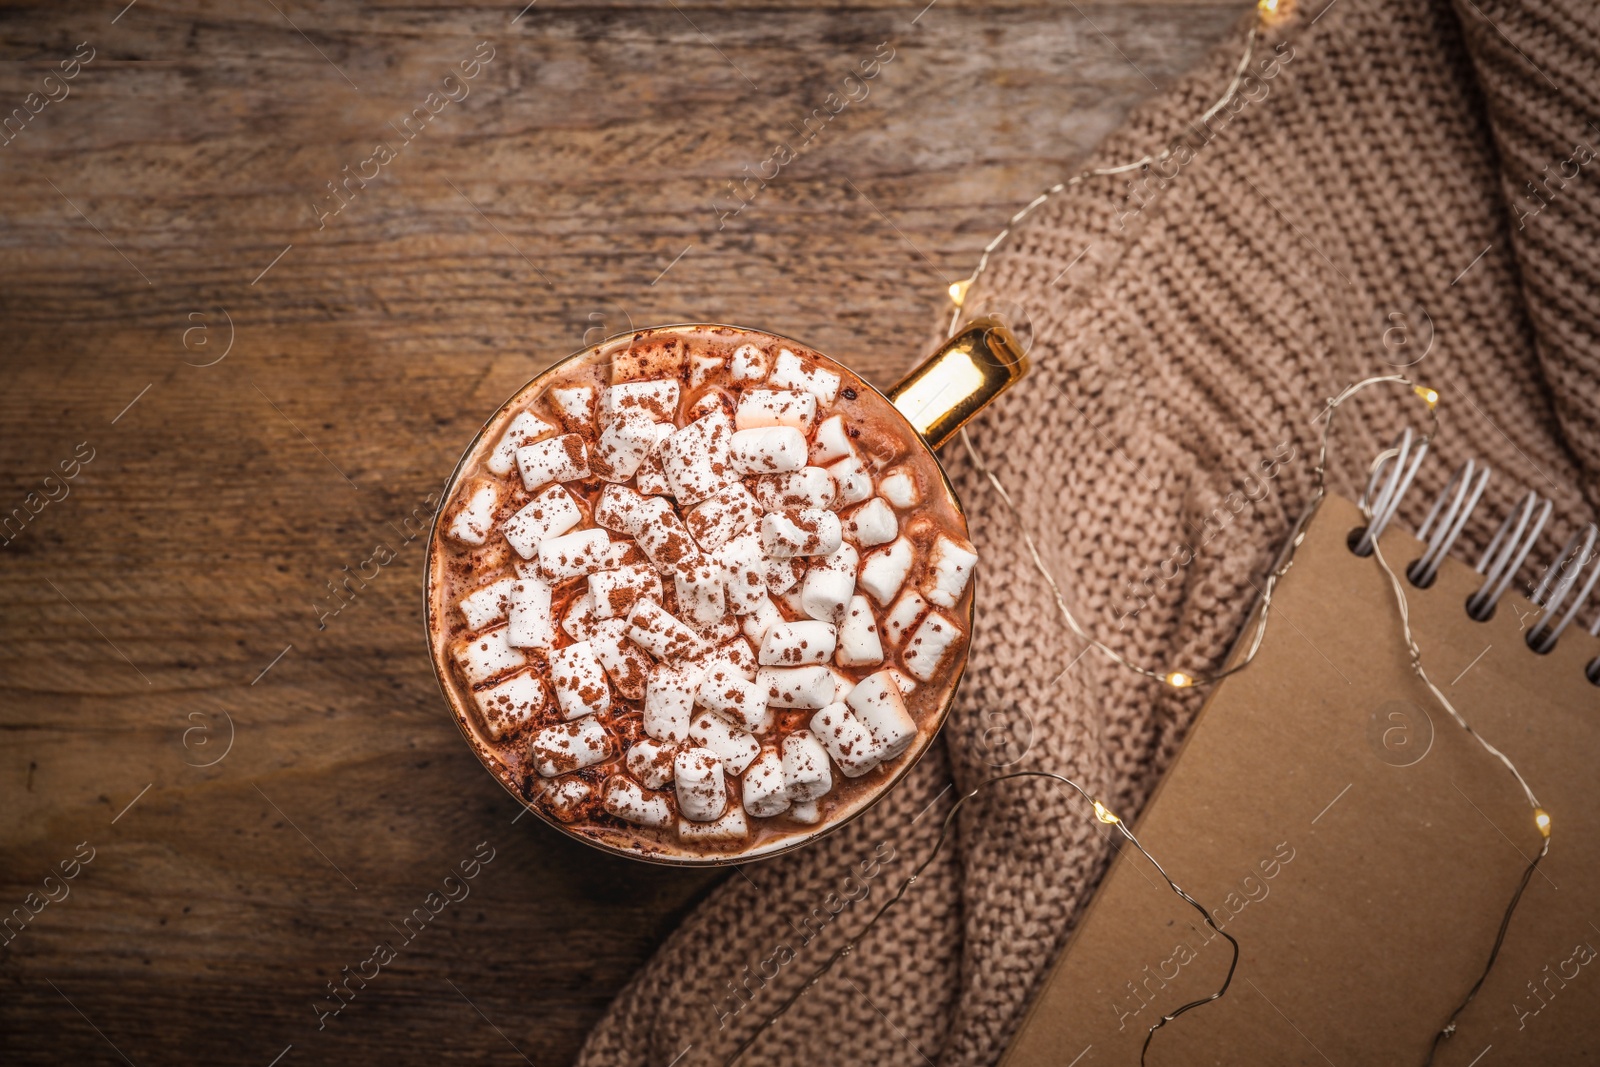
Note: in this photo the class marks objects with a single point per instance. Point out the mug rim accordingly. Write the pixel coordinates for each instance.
(459, 713)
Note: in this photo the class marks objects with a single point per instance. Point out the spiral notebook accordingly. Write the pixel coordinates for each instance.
(1360, 846)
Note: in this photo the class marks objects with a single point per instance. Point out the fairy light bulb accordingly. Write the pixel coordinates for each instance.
(1268, 7)
(1179, 680)
(1541, 819)
(958, 291)
(1105, 814)
(1429, 396)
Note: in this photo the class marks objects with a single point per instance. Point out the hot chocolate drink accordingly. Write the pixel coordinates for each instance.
(699, 593)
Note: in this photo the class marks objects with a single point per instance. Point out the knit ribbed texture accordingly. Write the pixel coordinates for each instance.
(1187, 331)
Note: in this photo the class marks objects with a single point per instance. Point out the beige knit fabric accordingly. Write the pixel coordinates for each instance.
(1188, 328)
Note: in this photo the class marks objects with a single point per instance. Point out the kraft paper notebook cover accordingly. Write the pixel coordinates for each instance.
(1358, 843)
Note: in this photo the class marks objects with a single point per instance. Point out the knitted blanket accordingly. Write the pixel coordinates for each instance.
(1426, 160)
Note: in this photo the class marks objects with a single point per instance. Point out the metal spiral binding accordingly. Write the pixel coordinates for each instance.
(1384, 501)
(1562, 592)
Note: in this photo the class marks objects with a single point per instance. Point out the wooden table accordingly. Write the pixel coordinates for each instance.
(221, 394)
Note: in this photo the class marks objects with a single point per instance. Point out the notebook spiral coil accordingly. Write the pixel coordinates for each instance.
(1567, 583)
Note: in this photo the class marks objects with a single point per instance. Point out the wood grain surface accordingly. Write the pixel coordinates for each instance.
(219, 396)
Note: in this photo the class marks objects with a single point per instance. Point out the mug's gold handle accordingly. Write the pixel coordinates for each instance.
(965, 373)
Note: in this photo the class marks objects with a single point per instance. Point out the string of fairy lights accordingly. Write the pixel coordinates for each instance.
(1268, 11)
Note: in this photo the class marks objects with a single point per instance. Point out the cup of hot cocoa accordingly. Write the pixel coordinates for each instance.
(699, 594)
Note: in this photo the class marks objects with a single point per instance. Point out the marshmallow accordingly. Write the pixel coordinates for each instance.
(797, 687)
(899, 487)
(709, 401)
(650, 761)
(728, 511)
(842, 684)
(525, 429)
(903, 616)
(879, 704)
(625, 662)
(949, 567)
(791, 601)
(762, 787)
(613, 592)
(859, 644)
(829, 584)
(846, 739)
(669, 703)
(574, 406)
(475, 516)
(509, 705)
(569, 746)
(798, 644)
(749, 364)
(528, 620)
(806, 773)
(906, 684)
(803, 532)
(621, 554)
(885, 570)
(808, 487)
(731, 827)
(661, 358)
(722, 631)
(873, 523)
(623, 446)
(735, 698)
(580, 619)
(625, 800)
(782, 575)
(744, 573)
(734, 747)
(487, 604)
(568, 798)
(656, 401)
(700, 594)
(667, 542)
(558, 459)
(573, 555)
(650, 478)
(761, 618)
(855, 484)
(701, 368)
(695, 458)
(769, 407)
(551, 513)
(486, 655)
(768, 450)
(651, 522)
(790, 372)
(579, 681)
(659, 633)
(831, 441)
(622, 510)
(806, 813)
(737, 654)
(929, 644)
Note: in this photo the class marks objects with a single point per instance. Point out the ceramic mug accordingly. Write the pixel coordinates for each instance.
(926, 409)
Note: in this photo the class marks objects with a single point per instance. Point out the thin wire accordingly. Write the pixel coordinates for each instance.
(1444, 701)
(1099, 172)
(1281, 567)
(1541, 818)
(1449, 1028)
(1102, 813)
(1285, 560)
(983, 263)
